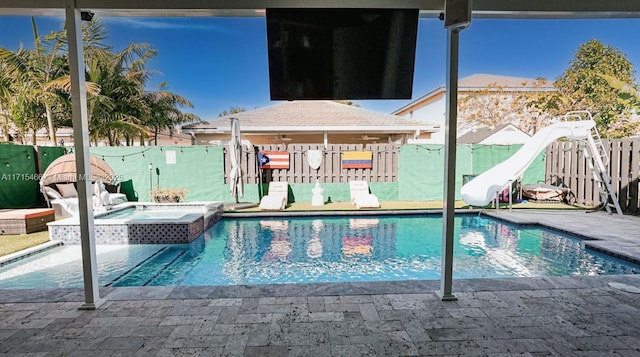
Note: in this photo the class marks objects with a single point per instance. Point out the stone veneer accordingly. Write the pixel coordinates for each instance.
(150, 231)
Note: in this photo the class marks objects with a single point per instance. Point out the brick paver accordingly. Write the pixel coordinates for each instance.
(576, 320)
(550, 316)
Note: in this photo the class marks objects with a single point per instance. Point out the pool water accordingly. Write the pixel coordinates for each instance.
(147, 214)
(338, 249)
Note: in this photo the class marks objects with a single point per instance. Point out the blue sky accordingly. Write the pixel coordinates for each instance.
(222, 62)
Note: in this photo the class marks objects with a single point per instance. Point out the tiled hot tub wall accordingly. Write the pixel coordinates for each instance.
(166, 233)
(104, 234)
(185, 230)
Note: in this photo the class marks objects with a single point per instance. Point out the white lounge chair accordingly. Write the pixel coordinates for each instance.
(277, 197)
(360, 195)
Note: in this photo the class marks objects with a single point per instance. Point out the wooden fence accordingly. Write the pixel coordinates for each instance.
(567, 166)
(384, 165)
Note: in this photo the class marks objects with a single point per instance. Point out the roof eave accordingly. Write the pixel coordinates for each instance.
(299, 129)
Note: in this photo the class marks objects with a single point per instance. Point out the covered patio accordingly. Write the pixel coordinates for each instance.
(544, 316)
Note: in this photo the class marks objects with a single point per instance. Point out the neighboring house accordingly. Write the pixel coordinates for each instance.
(308, 122)
(503, 134)
(169, 137)
(431, 107)
(64, 137)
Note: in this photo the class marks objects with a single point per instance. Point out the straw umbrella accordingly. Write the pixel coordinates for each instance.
(235, 153)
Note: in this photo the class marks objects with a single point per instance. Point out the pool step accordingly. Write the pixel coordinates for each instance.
(144, 273)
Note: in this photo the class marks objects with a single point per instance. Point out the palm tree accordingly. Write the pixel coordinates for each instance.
(115, 83)
(118, 104)
(6, 95)
(163, 110)
(33, 70)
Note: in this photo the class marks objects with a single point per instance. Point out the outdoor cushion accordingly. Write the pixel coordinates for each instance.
(127, 188)
(51, 193)
(67, 190)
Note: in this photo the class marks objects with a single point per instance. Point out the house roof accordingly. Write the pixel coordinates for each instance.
(310, 115)
(480, 134)
(484, 80)
(478, 82)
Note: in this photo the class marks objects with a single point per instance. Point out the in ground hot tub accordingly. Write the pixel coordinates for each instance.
(144, 223)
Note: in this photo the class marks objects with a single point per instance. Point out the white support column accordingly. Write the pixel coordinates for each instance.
(448, 214)
(83, 166)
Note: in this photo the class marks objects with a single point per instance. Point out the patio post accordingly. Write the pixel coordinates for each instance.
(456, 16)
(446, 279)
(83, 166)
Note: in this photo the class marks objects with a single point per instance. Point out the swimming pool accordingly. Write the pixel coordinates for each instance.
(336, 249)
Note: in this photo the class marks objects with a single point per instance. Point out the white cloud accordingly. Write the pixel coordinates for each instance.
(163, 24)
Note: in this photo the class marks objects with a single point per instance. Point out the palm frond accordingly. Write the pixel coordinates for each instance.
(64, 84)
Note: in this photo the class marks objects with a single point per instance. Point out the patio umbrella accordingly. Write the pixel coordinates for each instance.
(235, 153)
(63, 169)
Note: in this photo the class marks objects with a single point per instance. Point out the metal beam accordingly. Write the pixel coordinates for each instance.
(428, 8)
(555, 9)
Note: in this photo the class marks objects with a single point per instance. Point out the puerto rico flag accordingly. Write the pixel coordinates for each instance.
(274, 159)
(357, 159)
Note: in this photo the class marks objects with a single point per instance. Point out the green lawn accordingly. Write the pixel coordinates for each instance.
(16, 242)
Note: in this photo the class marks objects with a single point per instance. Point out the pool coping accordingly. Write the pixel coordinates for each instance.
(533, 285)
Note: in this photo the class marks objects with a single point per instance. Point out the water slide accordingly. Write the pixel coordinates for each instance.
(481, 190)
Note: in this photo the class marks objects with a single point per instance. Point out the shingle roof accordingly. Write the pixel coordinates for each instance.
(480, 134)
(478, 82)
(301, 114)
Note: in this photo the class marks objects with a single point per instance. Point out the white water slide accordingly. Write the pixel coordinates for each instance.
(482, 190)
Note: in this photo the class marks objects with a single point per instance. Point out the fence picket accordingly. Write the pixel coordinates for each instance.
(634, 172)
(625, 162)
(384, 166)
(566, 163)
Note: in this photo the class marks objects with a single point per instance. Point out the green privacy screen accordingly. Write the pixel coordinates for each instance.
(46, 155)
(18, 177)
(421, 171)
(200, 170)
(421, 168)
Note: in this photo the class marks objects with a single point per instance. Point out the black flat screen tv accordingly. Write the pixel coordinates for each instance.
(341, 53)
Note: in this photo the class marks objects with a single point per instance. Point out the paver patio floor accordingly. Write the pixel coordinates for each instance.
(550, 316)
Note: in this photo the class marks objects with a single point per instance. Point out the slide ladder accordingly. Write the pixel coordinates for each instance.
(598, 159)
